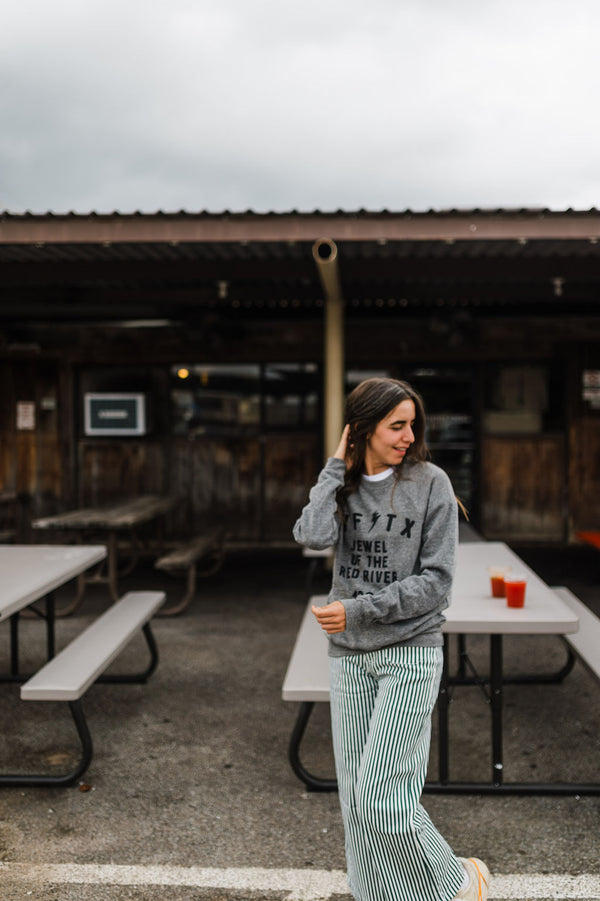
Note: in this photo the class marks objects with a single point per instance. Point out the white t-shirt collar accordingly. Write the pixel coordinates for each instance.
(379, 476)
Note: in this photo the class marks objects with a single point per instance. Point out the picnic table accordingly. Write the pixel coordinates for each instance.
(472, 611)
(29, 573)
(113, 523)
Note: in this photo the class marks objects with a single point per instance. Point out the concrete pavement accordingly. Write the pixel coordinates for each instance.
(190, 792)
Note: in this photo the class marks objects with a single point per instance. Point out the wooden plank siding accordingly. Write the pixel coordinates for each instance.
(30, 459)
(523, 487)
(219, 479)
(253, 487)
(113, 469)
(291, 468)
(584, 473)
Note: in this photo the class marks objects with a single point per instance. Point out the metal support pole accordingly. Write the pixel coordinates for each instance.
(325, 257)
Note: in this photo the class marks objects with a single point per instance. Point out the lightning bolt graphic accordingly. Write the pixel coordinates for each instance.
(374, 519)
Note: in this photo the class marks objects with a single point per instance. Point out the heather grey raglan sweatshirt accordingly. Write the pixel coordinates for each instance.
(394, 554)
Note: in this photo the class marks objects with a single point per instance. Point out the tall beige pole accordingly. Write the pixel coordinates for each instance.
(325, 256)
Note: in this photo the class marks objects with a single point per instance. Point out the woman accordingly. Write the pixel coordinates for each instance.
(392, 517)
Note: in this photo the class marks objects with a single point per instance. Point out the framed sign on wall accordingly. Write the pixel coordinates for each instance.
(114, 414)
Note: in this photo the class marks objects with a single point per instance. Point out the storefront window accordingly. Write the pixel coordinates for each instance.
(244, 399)
(215, 399)
(291, 395)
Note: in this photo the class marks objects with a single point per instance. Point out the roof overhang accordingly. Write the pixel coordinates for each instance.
(450, 225)
(67, 267)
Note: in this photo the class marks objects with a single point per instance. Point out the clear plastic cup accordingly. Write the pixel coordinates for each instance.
(516, 586)
(497, 577)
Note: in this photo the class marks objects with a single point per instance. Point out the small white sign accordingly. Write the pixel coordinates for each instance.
(25, 416)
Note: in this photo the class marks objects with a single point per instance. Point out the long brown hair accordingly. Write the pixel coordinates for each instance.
(369, 403)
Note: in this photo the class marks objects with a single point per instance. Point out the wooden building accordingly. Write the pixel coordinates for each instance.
(229, 339)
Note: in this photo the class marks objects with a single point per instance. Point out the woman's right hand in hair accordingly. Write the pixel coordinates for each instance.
(342, 448)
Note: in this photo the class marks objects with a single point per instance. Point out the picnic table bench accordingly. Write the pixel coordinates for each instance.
(207, 549)
(68, 675)
(585, 642)
(307, 682)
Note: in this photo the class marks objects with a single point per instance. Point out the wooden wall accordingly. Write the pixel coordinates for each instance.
(291, 467)
(253, 487)
(584, 474)
(523, 484)
(31, 461)
(217, 482)
(110, 469)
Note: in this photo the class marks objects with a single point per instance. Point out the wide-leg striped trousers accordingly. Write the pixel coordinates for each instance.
(381, 706)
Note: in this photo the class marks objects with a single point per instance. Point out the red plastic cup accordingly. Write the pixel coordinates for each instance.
(516, 586)
(497, 576)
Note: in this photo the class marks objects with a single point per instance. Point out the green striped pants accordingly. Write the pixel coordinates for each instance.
(381, 705)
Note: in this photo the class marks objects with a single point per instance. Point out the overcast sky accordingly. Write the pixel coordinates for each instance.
(280, 104)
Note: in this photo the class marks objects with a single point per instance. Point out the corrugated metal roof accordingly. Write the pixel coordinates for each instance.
(61, 265)
(453, 211)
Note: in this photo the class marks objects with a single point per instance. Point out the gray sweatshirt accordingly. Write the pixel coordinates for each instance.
(395, 551)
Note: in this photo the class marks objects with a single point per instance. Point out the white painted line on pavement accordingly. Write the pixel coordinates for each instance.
(296, 885)
(554, 885)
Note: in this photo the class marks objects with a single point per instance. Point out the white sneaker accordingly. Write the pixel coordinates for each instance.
(479, 880)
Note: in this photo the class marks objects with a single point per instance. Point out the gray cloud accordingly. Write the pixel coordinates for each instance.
(280, 104)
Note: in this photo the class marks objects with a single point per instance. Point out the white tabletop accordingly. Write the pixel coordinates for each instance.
(28, 572)
(473, 609)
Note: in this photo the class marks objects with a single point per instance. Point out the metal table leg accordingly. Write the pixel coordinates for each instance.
(14, 645)
(496, 785)
(14, 674)
(496, 702)
(443, 718)
(313, 783)
(50, 622)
